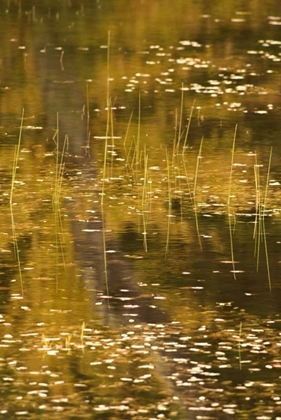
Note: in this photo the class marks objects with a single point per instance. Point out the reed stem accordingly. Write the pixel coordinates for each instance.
(108, 105)
(199, 156)
(179, 134)
(169, 205)
(263, 222)
(144, 202)
(14, 173)
(188, 127)
(228, 204)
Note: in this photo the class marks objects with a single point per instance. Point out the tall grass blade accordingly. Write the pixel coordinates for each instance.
(144, 202)
(199, 156)
(263, 222)
(188, 127)
(14, 173)
(128, 128)
(56, 199)
(257, 234)
(138, 134)
(169, 205)
(239, 346)
(179, 133)
(108, 105)
(228, 203)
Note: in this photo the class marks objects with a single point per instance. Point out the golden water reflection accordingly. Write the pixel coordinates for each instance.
(139, 265)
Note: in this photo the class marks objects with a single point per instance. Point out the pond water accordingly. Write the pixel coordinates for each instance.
(140, 209)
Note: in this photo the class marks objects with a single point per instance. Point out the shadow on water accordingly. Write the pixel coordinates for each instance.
(114, 284)
(69, 116)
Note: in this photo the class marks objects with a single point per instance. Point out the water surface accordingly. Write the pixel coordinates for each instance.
(140, 222)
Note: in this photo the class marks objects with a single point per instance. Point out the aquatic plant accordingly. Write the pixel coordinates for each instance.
(104, 179)
(56, 199)
(231, 213)
(13, 225)
(199, 156)
(188, 127)
(263, 220)
(169, 215)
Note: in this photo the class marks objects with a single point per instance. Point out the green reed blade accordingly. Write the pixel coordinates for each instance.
(13, 225)
(228, 203)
